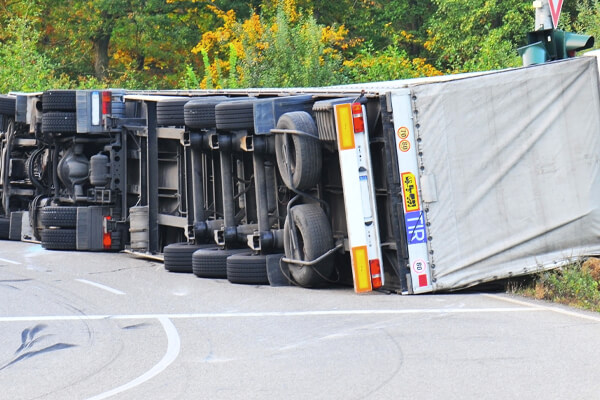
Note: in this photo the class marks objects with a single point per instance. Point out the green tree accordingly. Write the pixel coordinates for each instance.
(292, 53)
(478, 35)
(588, 19)
(136, 42)
(390, 64)
(24, 68)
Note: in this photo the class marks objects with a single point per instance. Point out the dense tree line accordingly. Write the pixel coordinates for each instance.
(242, 43)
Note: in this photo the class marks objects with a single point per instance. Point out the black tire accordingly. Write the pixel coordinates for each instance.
(178, 256)
(16, 222)
(59, 122)
(235, 115)
(59, 216)
(305, 152)
(200, 113)
(59, 239)
(4, 228)
(212, 262)
(247, 268)
(7, 105)
(169, 112)
(59, 100)
(314, 239)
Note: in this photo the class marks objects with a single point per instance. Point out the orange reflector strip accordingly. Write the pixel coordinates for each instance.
(375, 273)
(357, 118)
(360, 265)
(344, 126)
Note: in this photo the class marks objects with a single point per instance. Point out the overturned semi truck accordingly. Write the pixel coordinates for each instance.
(410, 186)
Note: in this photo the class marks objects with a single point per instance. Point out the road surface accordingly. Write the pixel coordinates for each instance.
(102, 325)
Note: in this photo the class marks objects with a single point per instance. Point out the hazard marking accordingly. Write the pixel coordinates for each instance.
(403, 132)
(419, 266)
(404, 146)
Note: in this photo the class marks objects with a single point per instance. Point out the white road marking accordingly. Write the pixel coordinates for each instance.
(100, 286)
(9, 261)
(545, 308)
(173, 348)
(267, 314)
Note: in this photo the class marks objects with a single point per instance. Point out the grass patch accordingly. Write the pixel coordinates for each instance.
(576, 285)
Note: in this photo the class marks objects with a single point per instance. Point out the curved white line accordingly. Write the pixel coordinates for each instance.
(173, 347)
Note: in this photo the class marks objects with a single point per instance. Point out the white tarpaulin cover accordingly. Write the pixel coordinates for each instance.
(511, 167)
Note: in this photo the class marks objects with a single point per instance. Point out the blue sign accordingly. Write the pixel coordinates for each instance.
(415, 227)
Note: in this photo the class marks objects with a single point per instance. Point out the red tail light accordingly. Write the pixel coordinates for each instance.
(106, 99)
(375, 273)
(106, 238)
(357, 118)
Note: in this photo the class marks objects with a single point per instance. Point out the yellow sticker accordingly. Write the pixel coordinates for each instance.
(403, 132)
(411, 192)
(404, 146)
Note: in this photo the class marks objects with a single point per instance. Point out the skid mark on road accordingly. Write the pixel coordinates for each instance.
(173, 347)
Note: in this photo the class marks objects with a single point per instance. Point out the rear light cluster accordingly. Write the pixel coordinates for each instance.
(101, 106)
(367, 273)
(106, 238)
(357, 118)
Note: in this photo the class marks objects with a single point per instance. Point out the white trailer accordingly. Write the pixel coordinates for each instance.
(498, 173)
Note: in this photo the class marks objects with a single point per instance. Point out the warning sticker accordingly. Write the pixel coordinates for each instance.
(403, 132)
(404, 146)
(415, 227)
(411, 193)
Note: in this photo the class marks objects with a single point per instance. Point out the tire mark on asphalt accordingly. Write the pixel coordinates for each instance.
(396, 370)
(30, 338)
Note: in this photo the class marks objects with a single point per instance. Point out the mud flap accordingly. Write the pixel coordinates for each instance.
(90, 231)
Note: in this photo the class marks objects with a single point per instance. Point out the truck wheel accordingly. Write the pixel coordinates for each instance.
(314, 239)
(212, 263)
(4, 228)
(59, 122)
(247, 268)
(59, 100)
(169, 112)
(59, 239)
(235, 115)
(178, 256)
(57, 216)
(304, 152)
(7, 105)
(200, 113)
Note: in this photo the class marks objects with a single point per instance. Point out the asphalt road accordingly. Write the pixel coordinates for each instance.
(94, 326)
